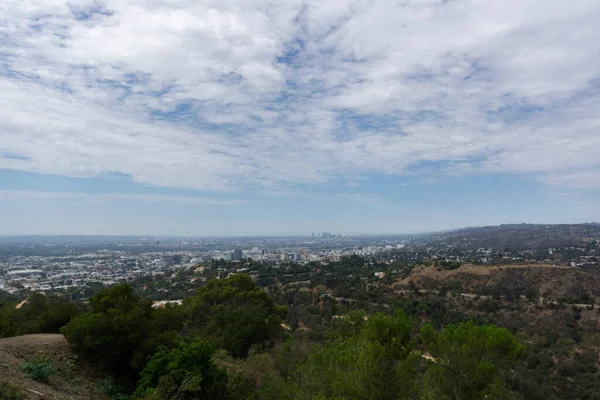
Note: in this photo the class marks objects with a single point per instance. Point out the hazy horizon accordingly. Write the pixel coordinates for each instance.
(297, 234)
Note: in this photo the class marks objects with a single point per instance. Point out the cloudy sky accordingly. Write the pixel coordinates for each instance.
(296, 116)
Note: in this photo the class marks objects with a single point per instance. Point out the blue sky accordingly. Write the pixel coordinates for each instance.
(253, 117)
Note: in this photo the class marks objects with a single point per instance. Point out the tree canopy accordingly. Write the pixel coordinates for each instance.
(185, 372)
(227, 342)
(235, 314)
(467, 360)
(114, 330)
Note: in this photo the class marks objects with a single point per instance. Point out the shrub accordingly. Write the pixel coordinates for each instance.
(566, 369)
(111, 389)
(488, 306)
(112, 333)
(38, 370)
(187, 370)
(533, 360)
(8, 391)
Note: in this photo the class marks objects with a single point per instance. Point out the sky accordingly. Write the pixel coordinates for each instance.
(262, 117)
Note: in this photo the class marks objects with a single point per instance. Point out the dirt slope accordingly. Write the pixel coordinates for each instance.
(72, 380)
(553, 282)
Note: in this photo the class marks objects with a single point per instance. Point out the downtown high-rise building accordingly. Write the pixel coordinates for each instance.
(237, 254)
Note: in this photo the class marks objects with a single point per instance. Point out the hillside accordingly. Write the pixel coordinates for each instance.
(71, 380)
(516, 236)
(551, 282)
(338, 343)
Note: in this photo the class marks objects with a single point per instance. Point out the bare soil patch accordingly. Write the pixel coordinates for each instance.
(72, 379)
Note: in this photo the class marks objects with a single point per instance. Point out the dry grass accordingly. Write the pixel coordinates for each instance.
(71, 380)
(469, 269)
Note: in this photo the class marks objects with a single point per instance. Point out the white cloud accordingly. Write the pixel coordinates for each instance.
(577, 180)
(252, 94)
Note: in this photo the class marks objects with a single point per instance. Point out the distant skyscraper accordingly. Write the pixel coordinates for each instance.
(237, 254)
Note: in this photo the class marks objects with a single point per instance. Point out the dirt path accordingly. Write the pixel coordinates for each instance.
(41, 339)
(539, 301)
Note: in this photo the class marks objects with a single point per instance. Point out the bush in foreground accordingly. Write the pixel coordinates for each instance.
(8, 391)
(39, 370)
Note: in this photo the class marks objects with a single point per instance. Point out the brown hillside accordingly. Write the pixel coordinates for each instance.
(553, 282)
(72, 380)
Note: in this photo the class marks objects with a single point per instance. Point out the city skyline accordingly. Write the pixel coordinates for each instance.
(240, 118)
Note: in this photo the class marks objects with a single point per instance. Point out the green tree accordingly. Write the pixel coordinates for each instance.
(378, 362)
(113, 331)
(121, 297)
(467, 361)
(7, 323)
(235, 314)
(164, 329)
(55, 317)
(347, 325)
(39, 314)
(185, 372)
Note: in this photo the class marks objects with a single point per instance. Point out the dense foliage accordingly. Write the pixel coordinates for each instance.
(336, 336)
(468, 359)
(376, 361)
(185, 372)
(38, 314)
(122, 333)
(114, 330)
(8, 391)
(235, 314)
